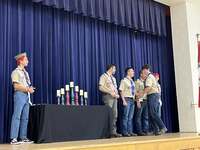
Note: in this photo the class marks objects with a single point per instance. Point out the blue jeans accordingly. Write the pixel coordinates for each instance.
(20, 115)
(159, 110)
(127, 118)
(142, 118)
(153, 106)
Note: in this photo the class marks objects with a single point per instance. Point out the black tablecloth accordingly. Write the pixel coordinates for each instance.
(56, 123)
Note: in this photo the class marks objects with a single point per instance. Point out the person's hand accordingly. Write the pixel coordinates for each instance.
(124, 103)
(116, 96)
(138, 104)
(31, 90)
(113, 94)
(140, 95)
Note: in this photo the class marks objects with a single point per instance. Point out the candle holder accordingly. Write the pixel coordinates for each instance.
(62, 91)
(86, 98)
(81, 98)
(72, 93)
(58, 97)
(76, 95)
(67, 95)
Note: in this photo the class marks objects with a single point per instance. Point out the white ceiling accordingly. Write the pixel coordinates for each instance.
(170, 2)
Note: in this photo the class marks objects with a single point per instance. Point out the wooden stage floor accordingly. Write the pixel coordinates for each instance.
(174, 141)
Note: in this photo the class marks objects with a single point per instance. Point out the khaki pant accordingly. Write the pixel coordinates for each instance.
(112, 103)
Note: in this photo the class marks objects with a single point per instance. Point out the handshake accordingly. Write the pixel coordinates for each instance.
(139, 95)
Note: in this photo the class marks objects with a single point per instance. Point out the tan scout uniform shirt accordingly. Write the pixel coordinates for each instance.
(139, 86)
(125, 88)
(109, 82)
(151, 82)
(21, 76)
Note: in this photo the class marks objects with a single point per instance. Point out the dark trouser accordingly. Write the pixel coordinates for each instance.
(153, 104)
(112, 103)
(127, 118)
(142, 118)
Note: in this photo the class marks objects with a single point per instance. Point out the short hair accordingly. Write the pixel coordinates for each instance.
(110, 66)
(147, 66)
(127, 69)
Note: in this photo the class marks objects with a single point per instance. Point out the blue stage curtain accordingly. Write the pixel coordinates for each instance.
(63, 46)
(140, 15)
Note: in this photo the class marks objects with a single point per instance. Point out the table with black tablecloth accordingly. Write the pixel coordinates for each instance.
(57, 123)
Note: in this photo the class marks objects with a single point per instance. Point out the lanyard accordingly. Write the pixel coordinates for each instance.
(26, 77)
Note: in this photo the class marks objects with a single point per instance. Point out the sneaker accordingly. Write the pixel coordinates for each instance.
(133, 134)
(164, 130)
(141, 134)
(116, 135)
(26, 141)
(126, 135)
(15, 142)
(149, 133)
(158, 133)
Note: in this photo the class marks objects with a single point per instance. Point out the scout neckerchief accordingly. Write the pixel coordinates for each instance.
(132, 86)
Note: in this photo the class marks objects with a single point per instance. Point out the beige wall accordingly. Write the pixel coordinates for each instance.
(185, 18)
(193, 9)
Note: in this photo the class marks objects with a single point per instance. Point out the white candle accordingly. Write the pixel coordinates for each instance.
(58, 93)
(71, 84)
(67, 87)
(76, 88)
(85, 95)
(81, 92)
(62, 91)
